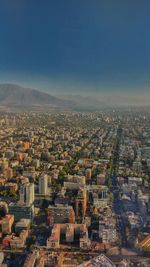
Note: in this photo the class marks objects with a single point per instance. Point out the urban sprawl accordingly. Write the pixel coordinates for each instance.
(75, 189)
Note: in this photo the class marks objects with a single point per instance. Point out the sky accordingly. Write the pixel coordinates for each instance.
(76, 46)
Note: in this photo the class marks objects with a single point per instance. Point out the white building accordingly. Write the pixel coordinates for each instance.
(27, 194)
(43, 184)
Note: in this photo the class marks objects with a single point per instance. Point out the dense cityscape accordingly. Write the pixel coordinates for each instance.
(75, 189)
(74, 133)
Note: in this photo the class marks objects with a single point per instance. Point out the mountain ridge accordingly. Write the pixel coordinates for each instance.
(16, 95)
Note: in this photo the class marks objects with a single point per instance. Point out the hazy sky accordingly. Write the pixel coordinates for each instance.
(76, 45)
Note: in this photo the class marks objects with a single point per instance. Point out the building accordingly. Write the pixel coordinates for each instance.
(30, 260)
(23, 224)
(60, 214)
(107, 230)
(81, 204)
(69, 261)
(21, 211)
(6, 224)
(88, 173)
(76, 179)
(85, 242)
(100, 261)
(72, 185)
(71, 232)
(27, 194)
(137, 180)
(18, 242)
(54, 240)
(108, 235)
(43, 184)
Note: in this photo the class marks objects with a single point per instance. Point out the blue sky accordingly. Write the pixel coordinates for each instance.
(76, 45)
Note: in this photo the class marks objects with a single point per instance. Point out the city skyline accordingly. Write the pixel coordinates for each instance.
(74, 133)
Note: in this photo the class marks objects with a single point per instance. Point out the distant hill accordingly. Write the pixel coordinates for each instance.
(15, 95)
(85, 102)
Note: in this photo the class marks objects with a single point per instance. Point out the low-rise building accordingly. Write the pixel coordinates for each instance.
(60, 214)
(20, 211)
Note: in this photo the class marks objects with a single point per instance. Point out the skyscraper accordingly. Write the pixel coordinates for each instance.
(43, 184)
(27, 194)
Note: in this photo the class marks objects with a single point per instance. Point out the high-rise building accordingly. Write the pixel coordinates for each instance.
(81, 204)
(27, 194)
(43, 184)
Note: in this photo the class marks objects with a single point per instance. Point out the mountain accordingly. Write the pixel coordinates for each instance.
(15, 95)
(84, 102)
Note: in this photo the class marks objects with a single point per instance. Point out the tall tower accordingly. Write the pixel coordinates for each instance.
(27, 194)
(30, 193)
(43, 184)
(81, 204)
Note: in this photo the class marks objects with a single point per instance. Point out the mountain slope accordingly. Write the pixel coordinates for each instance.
(15, 95)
